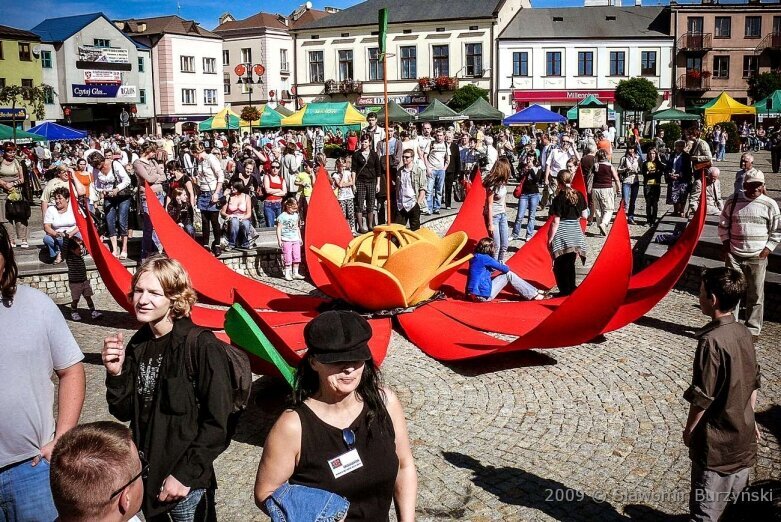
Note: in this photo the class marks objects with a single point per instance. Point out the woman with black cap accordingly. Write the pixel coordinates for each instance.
(346, 433)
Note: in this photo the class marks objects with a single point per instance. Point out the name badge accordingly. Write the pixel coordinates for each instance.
(345, 463)
(651, 182)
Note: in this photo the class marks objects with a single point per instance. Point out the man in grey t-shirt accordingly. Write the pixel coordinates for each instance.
(36, 342)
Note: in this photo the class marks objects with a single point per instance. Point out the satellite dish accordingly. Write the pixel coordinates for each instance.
(37, 51)
(308, 5)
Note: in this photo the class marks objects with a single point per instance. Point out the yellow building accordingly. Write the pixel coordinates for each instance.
(20, 64)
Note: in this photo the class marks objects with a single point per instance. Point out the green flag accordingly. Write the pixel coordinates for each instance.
(383, 23)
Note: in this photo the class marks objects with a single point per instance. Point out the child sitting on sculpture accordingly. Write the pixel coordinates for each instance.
(480, 286)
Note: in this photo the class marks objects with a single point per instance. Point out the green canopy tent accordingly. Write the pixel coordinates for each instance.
(284, 111)
(588, 101)
(269, 119)
(774, 110)
(396, 114)
(674, 115)
(438, 111)
(329, 115)
(7, 133)
(481, 110)
(226, 119)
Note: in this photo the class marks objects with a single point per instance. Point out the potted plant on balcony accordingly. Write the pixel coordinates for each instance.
(446, 83)
(705, 75)
(694, 74)
(331, 86)
(425, 83)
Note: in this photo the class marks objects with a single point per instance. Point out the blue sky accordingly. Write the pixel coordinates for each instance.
(27, 15)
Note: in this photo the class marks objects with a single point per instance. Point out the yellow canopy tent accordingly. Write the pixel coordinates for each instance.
(340, 115)
(724, 108)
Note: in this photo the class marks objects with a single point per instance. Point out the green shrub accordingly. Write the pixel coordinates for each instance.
(672, 133)
(332, 150)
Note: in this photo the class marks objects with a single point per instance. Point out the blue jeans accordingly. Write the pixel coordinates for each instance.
(25, 493)
(528, 202)
(54, 244)
(289, 503)
(239, 229)
(722, 152)
(436, 187)
(116, 208)
(149, 241)
(500, 236)
(271, 211)
(629, 191)
(187, 510)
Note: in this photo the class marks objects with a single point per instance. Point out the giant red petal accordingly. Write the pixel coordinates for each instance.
(504, 317)
(533, 262)
(324, 224)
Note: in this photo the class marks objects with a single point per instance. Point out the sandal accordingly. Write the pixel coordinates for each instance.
(540, 296)
(58, 259)
(123, 255)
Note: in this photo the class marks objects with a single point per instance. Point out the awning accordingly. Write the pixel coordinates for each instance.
(336, 114)
(589, 101)
(481, 110)
(438, 111)
(723, 108)
(396, 114)
(775, 104)
(226, 119)
(269, 118)
(674, 115)
(56, 132)
(284, 111)
(7, 133)
(534, 114)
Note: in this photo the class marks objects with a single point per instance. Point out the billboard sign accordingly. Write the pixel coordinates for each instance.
(90, 53)
(93, 76)
(104, 91)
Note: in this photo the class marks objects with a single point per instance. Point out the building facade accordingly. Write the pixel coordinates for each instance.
(187, 75)
(557, 57)
(20, 64)
(262, 39)
(720, 46)
(434, 48)
(97, 74)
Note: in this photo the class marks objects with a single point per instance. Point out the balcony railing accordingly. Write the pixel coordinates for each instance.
(440, 83)
(695, 42)
(343, 87)
(694, 82)
(771, 41)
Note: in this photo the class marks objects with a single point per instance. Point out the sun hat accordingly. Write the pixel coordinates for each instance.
(338, 336)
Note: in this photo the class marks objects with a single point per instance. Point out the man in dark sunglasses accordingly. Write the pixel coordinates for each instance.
(97, 474)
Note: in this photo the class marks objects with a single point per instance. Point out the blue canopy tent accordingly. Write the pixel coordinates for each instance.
(55, 132)
(534, 114)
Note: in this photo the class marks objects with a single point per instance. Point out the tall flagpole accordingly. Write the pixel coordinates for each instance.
(383, 23)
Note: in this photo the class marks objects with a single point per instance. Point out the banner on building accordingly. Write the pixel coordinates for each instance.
(93, 76)
(104, 91)
(89, 53)
(7, 113)
(401, 100)
(127, 91)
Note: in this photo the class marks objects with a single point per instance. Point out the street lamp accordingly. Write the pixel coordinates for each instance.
(246, 72)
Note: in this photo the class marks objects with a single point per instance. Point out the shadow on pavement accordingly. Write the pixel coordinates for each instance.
(667, 326)
(770, 419)
(500, 362)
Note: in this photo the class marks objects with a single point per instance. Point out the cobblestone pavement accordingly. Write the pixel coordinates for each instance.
(585, 433)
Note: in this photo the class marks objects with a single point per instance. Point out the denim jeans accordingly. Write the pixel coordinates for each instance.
(190, 508)
(54, 244)
(500, 234)
(436, 187)
(271, 211)
(290, 503)
(527, 202)
(116, 208)
(240, 229)
(519, 284)
(722, 152)
(629, 191)
(754, 269)
(25, 493)
(149, 240)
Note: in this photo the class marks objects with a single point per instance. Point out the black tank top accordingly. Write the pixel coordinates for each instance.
(603, 178)
(369, 488)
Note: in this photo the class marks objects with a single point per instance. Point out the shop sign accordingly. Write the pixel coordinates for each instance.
(7, 113)
(401, 100)
(573, 96)
(89, 53)
(104, 91)
(127, 91)
(93, 76)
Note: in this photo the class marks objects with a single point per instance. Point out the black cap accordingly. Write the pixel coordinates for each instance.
(338, 336)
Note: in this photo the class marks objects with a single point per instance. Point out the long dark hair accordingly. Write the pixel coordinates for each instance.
(369, 390)
(10, 271)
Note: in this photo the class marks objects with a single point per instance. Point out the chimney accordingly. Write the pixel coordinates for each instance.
(638, 3)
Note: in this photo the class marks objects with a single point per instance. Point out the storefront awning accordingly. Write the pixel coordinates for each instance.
(569, 96)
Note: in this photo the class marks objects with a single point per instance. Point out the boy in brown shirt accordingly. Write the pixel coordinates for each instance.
(721, 432)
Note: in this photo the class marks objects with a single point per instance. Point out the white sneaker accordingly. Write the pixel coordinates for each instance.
(75, 316)
(298, 276)
(96, 315)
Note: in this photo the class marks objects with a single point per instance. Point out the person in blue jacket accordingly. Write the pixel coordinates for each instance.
(480, 286)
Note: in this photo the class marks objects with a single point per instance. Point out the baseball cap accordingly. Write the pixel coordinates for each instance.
(754, 176)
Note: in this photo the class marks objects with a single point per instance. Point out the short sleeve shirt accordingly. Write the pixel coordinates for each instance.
(290, 230)
(41, 343)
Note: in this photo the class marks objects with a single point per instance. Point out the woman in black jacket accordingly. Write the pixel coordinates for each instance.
(652, 170)
(367, 168)
(179, 421)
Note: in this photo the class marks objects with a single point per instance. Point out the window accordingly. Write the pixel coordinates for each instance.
(284, 65)
(188, 96)
(226, 83)
(48, 96)
(520, 64)
(585, 63)
(101, 42)
(723, 27)
(776, 28)
(24, 52)
(210, 65)
(2, 83)
(721, 66)
(26, 84)
(140, 64)
(246, 88)
(2, 56)
(210, 96)
(226, 57)
(345, 64)
(694, 24)
(142, 96)
(46, 59)
(187, 63)
(553, 63)
(246, 55)
(753, 26)
(316, 73)
(474, 60)
(648, 63)
(750, 65)
(375, 67)
(409, 62)
(617, 63)
(441, 60)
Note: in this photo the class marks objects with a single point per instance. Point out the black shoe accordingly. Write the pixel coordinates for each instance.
(217, 251)
(436, 212)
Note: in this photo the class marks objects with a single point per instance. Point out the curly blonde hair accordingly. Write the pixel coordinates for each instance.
(175, 282)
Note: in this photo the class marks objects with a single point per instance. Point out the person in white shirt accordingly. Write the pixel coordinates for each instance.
(376, 132)
(491, 154)
(555, 161)
(437, 161)
(424, 141)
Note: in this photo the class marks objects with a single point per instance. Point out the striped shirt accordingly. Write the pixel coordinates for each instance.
(755, 225)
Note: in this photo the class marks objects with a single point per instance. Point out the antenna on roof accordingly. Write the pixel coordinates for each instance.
(178, 8)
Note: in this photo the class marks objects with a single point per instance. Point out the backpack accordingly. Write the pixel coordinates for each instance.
(238, 363)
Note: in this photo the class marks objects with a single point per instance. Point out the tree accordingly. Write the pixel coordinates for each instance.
(636, 94)
(250, 113)
(763, 85)
(33, 97)
(465, 96)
